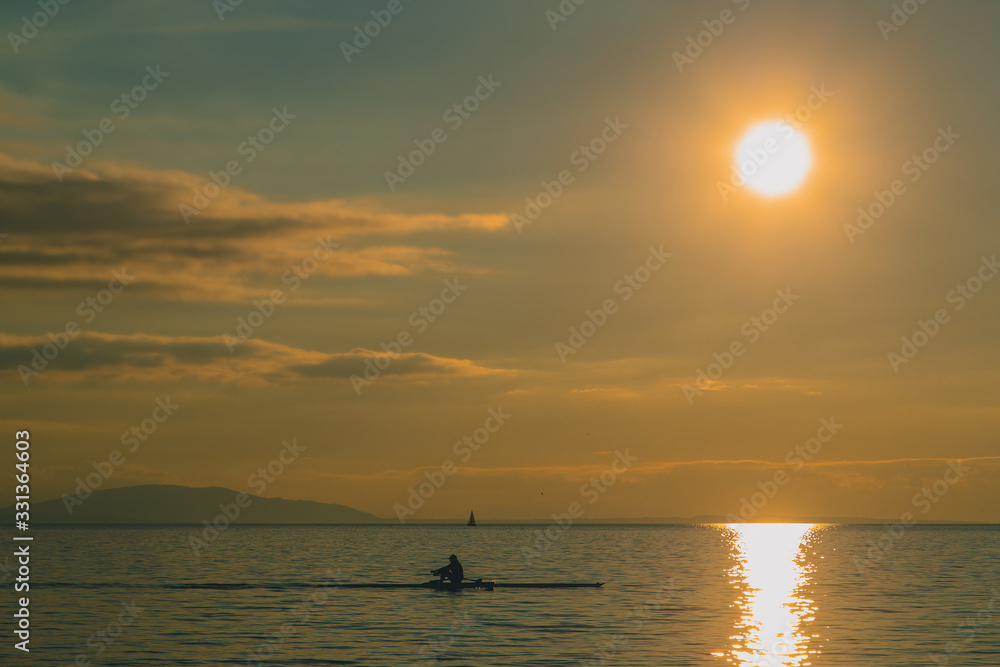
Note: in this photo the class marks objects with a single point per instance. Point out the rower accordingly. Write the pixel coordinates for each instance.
(453, 571)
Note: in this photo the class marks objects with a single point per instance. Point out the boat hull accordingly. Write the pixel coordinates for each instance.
(483, 585)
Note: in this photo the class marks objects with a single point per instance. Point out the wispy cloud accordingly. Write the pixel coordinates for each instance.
(153, 358)
(69, 235)
(585, 470)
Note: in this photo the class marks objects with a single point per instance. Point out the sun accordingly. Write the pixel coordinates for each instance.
(773, 158)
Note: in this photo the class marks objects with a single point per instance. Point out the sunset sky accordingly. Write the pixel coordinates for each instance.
(355, 254)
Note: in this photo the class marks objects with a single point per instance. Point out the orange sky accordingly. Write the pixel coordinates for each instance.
(490, 209)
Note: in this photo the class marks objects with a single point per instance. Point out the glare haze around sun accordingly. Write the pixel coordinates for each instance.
(774, 158)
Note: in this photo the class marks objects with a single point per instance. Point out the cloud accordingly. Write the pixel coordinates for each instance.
(413, 364)
(156, 358)
(602, 393)
(71, 234)
(848, 474)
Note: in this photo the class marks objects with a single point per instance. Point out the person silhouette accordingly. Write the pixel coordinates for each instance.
(453, 571)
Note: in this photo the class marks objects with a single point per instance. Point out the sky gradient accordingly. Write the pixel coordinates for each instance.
(478, 273)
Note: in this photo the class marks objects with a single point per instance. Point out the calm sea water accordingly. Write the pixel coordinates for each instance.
(775, 595)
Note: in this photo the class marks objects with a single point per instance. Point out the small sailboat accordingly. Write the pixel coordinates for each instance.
(472, 519)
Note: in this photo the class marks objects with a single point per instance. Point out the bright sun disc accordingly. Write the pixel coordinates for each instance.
(773, 157)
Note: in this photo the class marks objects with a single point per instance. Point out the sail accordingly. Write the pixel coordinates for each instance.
(472, 518)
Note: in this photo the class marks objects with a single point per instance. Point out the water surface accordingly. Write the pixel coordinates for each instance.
(777, 595)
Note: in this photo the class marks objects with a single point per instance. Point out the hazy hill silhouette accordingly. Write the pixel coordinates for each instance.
(163, 503)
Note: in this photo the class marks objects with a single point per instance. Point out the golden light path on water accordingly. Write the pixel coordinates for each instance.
(770, 632)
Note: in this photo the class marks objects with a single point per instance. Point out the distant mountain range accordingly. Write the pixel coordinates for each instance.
(163, 503)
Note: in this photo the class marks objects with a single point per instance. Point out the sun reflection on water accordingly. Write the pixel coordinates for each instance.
(770, 631)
